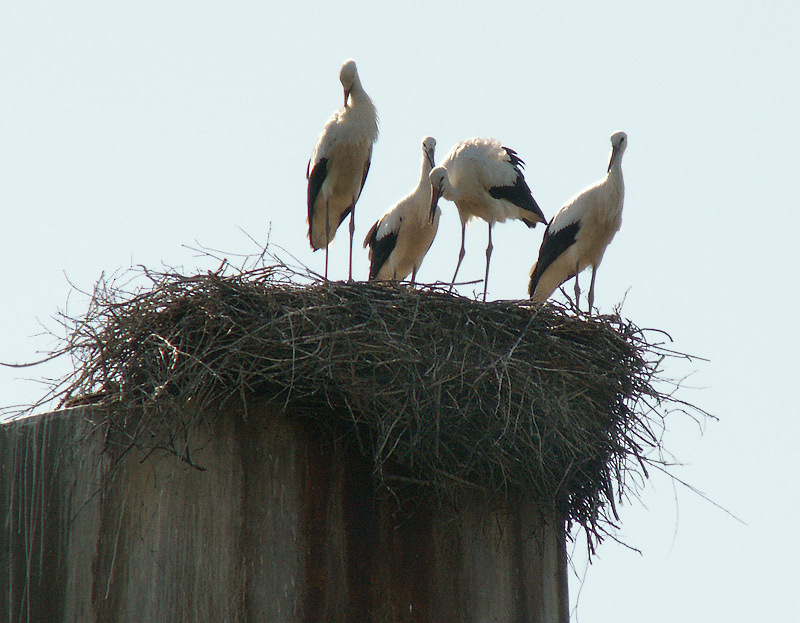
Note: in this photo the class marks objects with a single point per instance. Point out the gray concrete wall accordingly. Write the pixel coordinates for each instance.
(278, 527)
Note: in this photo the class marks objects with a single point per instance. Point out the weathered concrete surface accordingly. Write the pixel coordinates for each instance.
(278, 527)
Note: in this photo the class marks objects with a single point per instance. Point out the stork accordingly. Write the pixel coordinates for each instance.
(578, 235)
(484, 179)
(339, 164)
(399, 241)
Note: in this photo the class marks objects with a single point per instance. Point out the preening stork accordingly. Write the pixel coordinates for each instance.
(399, 241)
(484, 179)
(579, 233)
(339, 164)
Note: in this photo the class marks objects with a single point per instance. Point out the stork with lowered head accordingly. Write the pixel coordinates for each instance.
(484, 179)
(339, 164)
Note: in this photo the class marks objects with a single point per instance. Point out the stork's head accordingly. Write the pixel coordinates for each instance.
(429, 149)
(619, 141)
(348, 76)
(438, 181)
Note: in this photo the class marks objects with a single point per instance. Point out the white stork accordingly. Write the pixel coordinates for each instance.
(579, 233)
(339, 164)
(399, 241)
(484, 180)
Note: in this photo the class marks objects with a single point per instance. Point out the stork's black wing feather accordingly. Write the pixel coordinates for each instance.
(520, 195)
(315, 180)
(381, 249)
(514, 157)
(364, 178)
(553, 245)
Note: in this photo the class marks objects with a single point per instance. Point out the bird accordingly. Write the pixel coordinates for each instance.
(399, 240)
(340, 163)
(484, 179)
(579, 233)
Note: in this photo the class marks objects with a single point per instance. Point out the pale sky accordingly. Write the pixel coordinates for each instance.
(131, 131)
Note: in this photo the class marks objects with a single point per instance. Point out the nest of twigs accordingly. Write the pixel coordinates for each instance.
(511, 398)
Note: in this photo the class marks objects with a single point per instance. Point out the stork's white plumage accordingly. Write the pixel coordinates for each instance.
(484, 179)
(578, 235)
(399, 241)
(339, 164)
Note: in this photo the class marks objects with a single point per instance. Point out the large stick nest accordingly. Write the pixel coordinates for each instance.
(514, 399)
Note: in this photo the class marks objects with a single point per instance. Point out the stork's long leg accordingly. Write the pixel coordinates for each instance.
(460, 254)
(577, 289)
(352, 230)
(488, 259)
(327, 236)
(413, 275)
(591, 289)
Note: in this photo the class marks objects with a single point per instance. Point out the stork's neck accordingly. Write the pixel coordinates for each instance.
(425, 175)
(361, 117)
(448, 190)
(358, 96)
(615, 184)
(615, 171)
(362, 109)
(615, 167)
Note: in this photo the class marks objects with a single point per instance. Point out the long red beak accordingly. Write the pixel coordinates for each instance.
(429, 156)
(435, 196)
(611, 160)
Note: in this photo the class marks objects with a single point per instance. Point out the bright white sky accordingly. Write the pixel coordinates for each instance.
(132, 129)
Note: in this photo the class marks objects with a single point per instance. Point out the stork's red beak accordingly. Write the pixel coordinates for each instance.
(435, 196)
(429, 156)
(614, 151)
